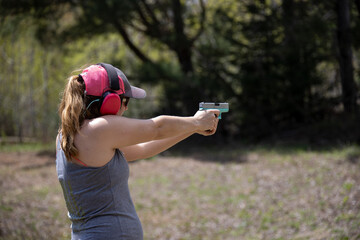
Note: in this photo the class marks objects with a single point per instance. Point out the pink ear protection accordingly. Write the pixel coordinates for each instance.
(111, 102)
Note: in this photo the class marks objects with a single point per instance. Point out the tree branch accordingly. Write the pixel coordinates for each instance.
(137, 28)
(151, 13)
(141, 14)
(152, 28)
(130, 44)
(118, 25)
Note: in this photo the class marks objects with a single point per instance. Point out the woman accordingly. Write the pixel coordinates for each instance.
(93, 142)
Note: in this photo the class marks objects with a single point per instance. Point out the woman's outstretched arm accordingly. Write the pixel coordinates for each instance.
(152, 148)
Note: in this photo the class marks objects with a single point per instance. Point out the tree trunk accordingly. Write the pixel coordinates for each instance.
(45, 108)
(357, 3)
(182, 44)
(184, 56)
(348, 85)
(31, 103)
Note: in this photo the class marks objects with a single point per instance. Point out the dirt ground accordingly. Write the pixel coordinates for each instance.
(243, 194)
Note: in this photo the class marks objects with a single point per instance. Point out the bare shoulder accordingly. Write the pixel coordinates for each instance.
(99, 137)
(117, 131)
(94, 132)
(91, 142)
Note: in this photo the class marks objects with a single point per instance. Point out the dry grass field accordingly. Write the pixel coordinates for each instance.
(248, 193)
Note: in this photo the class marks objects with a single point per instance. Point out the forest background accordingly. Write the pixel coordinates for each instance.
(289, 69)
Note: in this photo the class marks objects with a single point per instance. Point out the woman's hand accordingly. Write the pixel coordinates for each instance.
(207, 121)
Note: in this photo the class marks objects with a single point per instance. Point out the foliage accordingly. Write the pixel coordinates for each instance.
(29, 90)
(275, 62)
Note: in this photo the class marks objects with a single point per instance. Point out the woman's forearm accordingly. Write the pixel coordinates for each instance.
(171, 126)
(152, 148)
(170, 130)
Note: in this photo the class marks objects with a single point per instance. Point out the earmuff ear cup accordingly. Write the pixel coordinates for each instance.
(111, 104)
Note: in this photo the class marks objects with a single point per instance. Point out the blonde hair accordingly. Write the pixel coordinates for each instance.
(71, 111)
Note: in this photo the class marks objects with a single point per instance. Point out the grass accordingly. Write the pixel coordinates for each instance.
(27, 147)
(218, 193)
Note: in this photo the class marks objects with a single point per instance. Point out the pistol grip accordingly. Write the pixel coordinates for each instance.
(202, 109)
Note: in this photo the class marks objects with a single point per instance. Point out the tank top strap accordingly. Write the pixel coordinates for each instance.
(58, 146)
(79, 161)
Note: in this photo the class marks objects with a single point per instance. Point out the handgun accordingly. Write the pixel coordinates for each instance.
(222, 107)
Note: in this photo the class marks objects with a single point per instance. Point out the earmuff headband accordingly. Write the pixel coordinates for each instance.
(113, 76)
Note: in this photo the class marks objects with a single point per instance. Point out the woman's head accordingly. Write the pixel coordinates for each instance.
(86, 96)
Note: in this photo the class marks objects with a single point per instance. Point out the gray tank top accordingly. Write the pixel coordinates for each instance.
(98, 199)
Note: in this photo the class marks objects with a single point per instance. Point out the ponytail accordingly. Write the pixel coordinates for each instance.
(70, 111)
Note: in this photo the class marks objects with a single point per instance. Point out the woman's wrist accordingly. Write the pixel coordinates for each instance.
(196, 124)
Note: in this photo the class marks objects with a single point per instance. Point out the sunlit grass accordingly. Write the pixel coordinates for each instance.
(27, 147)
(244, 193)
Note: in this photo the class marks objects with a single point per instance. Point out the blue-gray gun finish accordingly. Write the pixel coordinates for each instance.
(222, 107)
